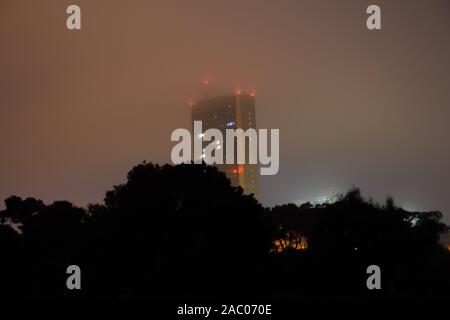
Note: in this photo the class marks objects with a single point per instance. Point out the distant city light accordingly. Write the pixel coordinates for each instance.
(230, 123)
(332, 197)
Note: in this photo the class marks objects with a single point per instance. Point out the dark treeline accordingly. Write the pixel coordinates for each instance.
(184, 231)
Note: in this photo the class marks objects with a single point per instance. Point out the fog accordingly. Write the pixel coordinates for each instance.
(354, 107)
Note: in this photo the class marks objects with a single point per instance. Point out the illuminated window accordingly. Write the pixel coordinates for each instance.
(290, 240)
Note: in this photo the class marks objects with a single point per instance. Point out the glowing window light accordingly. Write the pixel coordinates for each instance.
(290, 240)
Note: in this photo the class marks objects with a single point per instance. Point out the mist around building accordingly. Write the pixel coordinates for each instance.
(197, 231)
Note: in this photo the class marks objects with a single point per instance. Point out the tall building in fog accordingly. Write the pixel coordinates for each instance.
(231, 112)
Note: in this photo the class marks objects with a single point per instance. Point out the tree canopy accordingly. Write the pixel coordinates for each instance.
(178, 231)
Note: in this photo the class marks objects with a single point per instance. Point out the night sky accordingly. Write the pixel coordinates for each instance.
(354, 107)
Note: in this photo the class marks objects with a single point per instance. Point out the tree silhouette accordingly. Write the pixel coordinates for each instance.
(184, 231)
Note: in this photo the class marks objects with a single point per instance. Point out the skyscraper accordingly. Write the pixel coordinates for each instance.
(231, 111)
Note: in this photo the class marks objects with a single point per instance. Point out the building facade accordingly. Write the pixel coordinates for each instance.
(231, 112)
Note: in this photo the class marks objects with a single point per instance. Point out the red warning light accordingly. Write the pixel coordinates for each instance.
(238, 91)
(252, 94)
(238, 170)
(205, 82)
(191, 103)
